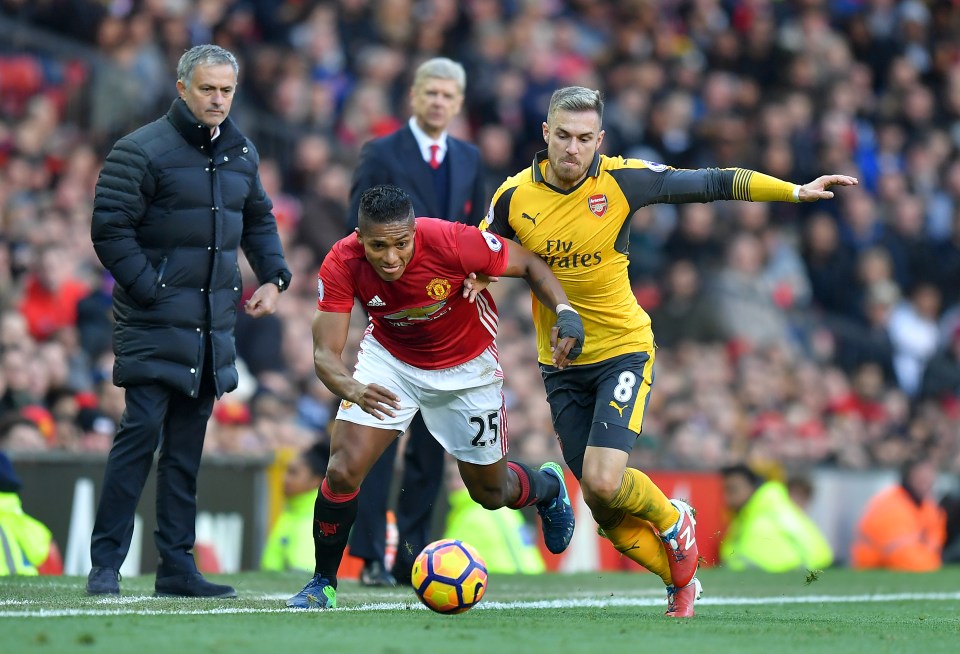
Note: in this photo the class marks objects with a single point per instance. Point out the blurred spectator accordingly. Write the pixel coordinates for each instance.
(951, 507)
(324, 220)
(290, 543)
(800, 490)
(695, 238)
(685, 313)
(18, 390)
(51, 294)
(908, 243)
(747, 311)
(902, 527)
(941, 375)
(20, 434)
(857, 345)
(28, 546)
(95, 318)
(948, 262)
(874, 267)
(914, 335)
(767, 530)
(96, 430)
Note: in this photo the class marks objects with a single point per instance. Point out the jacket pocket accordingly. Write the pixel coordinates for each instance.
(161, 271)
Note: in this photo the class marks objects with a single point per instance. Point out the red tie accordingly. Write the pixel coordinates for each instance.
(434, 161)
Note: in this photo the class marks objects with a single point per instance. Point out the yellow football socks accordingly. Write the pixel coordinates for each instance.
(639, 541)
(640, 497)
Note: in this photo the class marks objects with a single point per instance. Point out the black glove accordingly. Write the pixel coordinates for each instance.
(569, 325)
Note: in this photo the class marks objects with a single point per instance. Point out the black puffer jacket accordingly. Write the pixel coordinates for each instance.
(170, 211)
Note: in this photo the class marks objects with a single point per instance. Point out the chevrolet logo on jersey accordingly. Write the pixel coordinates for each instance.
(417, 314)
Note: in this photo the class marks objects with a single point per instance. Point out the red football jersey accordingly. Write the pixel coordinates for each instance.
(421, 318)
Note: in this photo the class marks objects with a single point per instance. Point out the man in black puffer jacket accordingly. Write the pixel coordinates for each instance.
(174, 201)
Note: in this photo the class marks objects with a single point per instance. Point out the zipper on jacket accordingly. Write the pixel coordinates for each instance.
(198, 375)
(161, 269)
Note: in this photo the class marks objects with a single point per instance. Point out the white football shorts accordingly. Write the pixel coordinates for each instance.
(462, 406)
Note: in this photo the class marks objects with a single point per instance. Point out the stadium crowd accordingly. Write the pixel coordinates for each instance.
(827, 334)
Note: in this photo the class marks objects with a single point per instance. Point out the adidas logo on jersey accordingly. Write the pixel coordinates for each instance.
(376, 302)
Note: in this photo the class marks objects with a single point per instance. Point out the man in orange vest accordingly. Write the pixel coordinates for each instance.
(902, 527)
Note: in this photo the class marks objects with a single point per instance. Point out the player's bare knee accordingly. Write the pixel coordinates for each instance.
(489, 498)
(599, 490)
(340, 478)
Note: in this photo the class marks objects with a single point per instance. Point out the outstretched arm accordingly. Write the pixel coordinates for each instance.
(645, 186)
(329, 336)
(567, 337)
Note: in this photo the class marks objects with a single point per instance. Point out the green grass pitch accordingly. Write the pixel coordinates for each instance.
(833, 611)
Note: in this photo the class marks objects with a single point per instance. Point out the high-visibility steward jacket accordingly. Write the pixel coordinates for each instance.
(898, 534)
(772, 533)
(24, 541)
(290, 543)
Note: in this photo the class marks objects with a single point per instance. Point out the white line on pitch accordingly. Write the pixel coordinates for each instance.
(494, 606)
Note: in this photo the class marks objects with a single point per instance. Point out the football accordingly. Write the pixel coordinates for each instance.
(449, 576)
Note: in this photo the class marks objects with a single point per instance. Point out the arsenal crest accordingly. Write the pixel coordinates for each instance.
(598, 204)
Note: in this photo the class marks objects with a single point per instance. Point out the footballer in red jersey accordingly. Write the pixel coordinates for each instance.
(430, 349)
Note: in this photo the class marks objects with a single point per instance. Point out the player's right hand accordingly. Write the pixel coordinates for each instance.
(475, 283)
(378, 401)
(566, 338)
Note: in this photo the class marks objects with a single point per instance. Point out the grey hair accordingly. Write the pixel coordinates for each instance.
(441, 68)
(577, 99)
(204, 55)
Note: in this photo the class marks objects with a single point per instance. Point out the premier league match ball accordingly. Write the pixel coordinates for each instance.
(449, 576)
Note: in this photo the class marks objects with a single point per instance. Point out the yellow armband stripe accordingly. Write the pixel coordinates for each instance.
(756, 187)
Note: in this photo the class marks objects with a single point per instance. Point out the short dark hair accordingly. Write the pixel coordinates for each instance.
(920, 458)
(317, 456)
(742, 470)
(385, 204)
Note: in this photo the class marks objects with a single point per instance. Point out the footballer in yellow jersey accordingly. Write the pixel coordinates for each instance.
(572, 207)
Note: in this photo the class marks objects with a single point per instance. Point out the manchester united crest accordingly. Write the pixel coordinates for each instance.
(598, 204)
(438, 289)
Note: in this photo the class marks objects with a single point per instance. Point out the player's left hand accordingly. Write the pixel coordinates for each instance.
(817, 189)
(475, 283)
(263, 302)
(566, 338)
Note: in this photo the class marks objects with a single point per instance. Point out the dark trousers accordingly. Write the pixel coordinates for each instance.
(154, 414)
(422, 478)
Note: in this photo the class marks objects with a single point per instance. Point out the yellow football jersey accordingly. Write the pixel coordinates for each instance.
(583, 234)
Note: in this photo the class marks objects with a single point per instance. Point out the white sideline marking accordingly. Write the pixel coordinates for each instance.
(490, 606)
